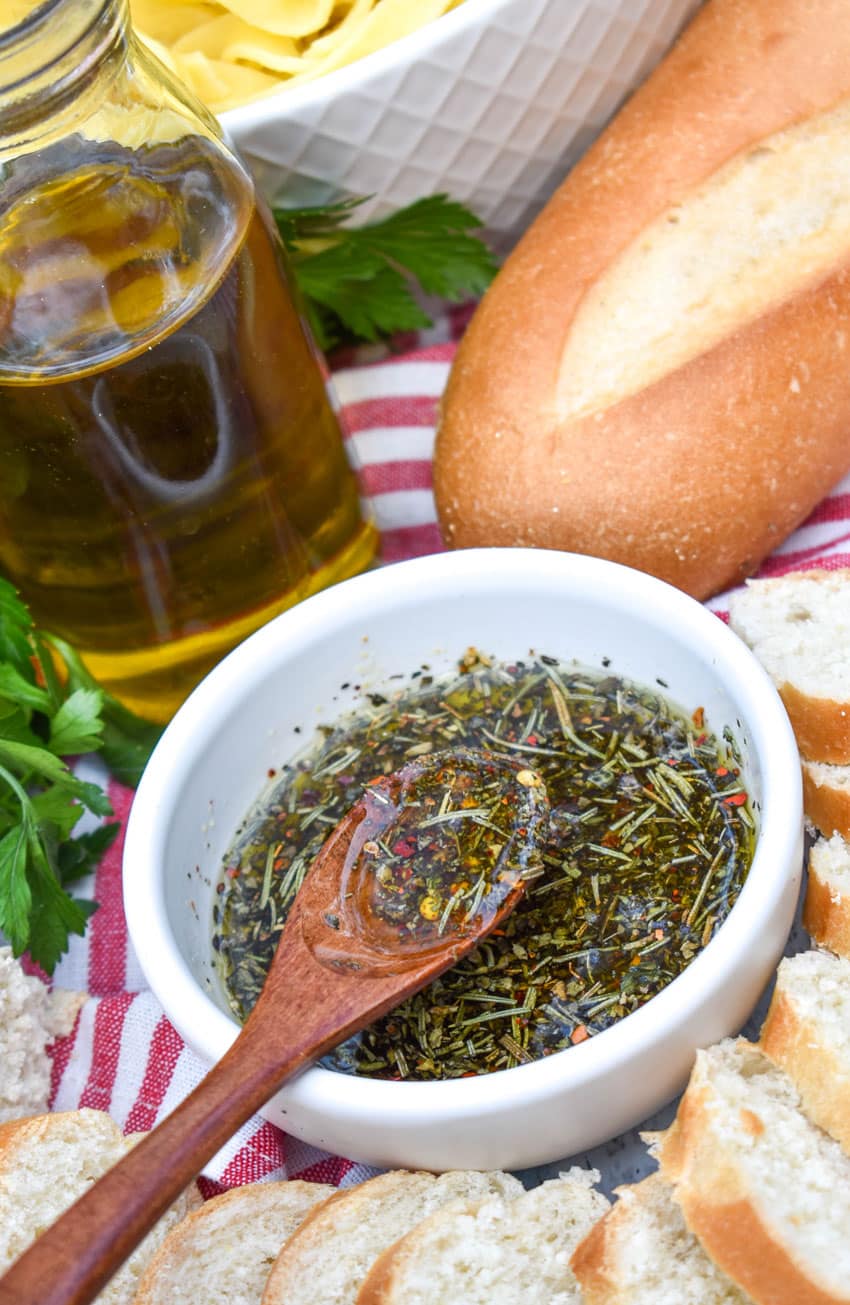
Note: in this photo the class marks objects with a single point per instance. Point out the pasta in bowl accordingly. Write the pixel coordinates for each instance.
(233, 51)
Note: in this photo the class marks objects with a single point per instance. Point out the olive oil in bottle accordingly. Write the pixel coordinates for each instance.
(171, 470)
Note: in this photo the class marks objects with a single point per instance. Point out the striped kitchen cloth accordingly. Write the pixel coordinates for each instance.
(123, 1056)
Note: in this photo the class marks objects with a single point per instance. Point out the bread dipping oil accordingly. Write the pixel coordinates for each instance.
(172, 474)
(648, 841)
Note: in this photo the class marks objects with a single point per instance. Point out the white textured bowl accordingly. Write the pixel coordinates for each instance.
(213, 761)
(491, 103)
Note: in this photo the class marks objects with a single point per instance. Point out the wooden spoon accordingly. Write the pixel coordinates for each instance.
(344, 958)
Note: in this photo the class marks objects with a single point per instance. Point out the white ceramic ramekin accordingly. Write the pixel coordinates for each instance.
(491, 103)
(213, 761)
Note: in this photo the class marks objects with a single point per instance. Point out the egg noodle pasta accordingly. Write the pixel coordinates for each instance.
(234, 51)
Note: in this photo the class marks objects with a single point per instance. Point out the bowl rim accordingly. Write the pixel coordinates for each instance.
(279, 104)
(349, 1096)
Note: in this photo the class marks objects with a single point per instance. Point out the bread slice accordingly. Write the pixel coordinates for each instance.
(46, 1163)
(327, 1259)
(766, 1192)
(826, 910)
(799, 628)
(31, 1017)
(826, 797)
(493, 1252)
(807, 1033)
(231, 1241)
(642, 1253)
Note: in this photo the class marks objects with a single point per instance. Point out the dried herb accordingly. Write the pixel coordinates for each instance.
(650, 839)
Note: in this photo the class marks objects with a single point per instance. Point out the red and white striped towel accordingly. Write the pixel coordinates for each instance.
(123, 1055)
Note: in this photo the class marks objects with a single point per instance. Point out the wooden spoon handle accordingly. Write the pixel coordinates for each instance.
(73, 1259)
(70, 1262)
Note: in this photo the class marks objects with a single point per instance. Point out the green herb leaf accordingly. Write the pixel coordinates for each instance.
(15, 627)
(126, 740)
(47, 714)
(17, 689)
(81, 856)
(39, 761)
(15, 895)
(53, 914)
(357, 280)
(77, 726)
(56, 806)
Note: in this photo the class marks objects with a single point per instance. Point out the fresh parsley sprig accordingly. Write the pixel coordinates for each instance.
(46, 716)
(356, 280)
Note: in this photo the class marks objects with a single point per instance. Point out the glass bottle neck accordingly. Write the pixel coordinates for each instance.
(53, 63)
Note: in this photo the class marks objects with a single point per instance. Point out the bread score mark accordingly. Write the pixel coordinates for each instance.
(769, 224)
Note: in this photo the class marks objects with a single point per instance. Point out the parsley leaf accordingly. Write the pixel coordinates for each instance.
(77, 726)
(52, 708)
(126, 740)
(357, 280)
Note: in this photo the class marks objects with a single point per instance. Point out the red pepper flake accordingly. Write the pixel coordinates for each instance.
(579, 1034)
(721, 770)
(532, 740)
(404, 847)
(735, 800)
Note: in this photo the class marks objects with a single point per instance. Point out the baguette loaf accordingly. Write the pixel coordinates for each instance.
(642, 1253)
(826, 911)
(807, 1033)
(499, 1251)
(659, 374)
(329, 1256)
(765, 1191)
(799, 628)
(232, 1242)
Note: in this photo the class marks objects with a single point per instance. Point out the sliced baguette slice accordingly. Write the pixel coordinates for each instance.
(232, 1242)
(765, 1191)
(327, 1259)
(46, 1162)
(31, 1017)
(807, 1033)
(826, 911)
(799, 626)
(642, 1253)
(826, 797)
(492, 1252)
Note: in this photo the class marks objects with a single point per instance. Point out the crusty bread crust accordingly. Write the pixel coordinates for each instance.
(327, 1224)
(291, 1201)
(818, 1074)
(379, 1285)
(286, 1279)
(826, 915)
(700, 474)
(821, 725)
(714, 1197)
(737, 1240)
(591, 1261)
(827, 808)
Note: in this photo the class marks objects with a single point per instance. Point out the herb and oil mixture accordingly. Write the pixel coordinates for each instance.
(442, 844)
(649, 840)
